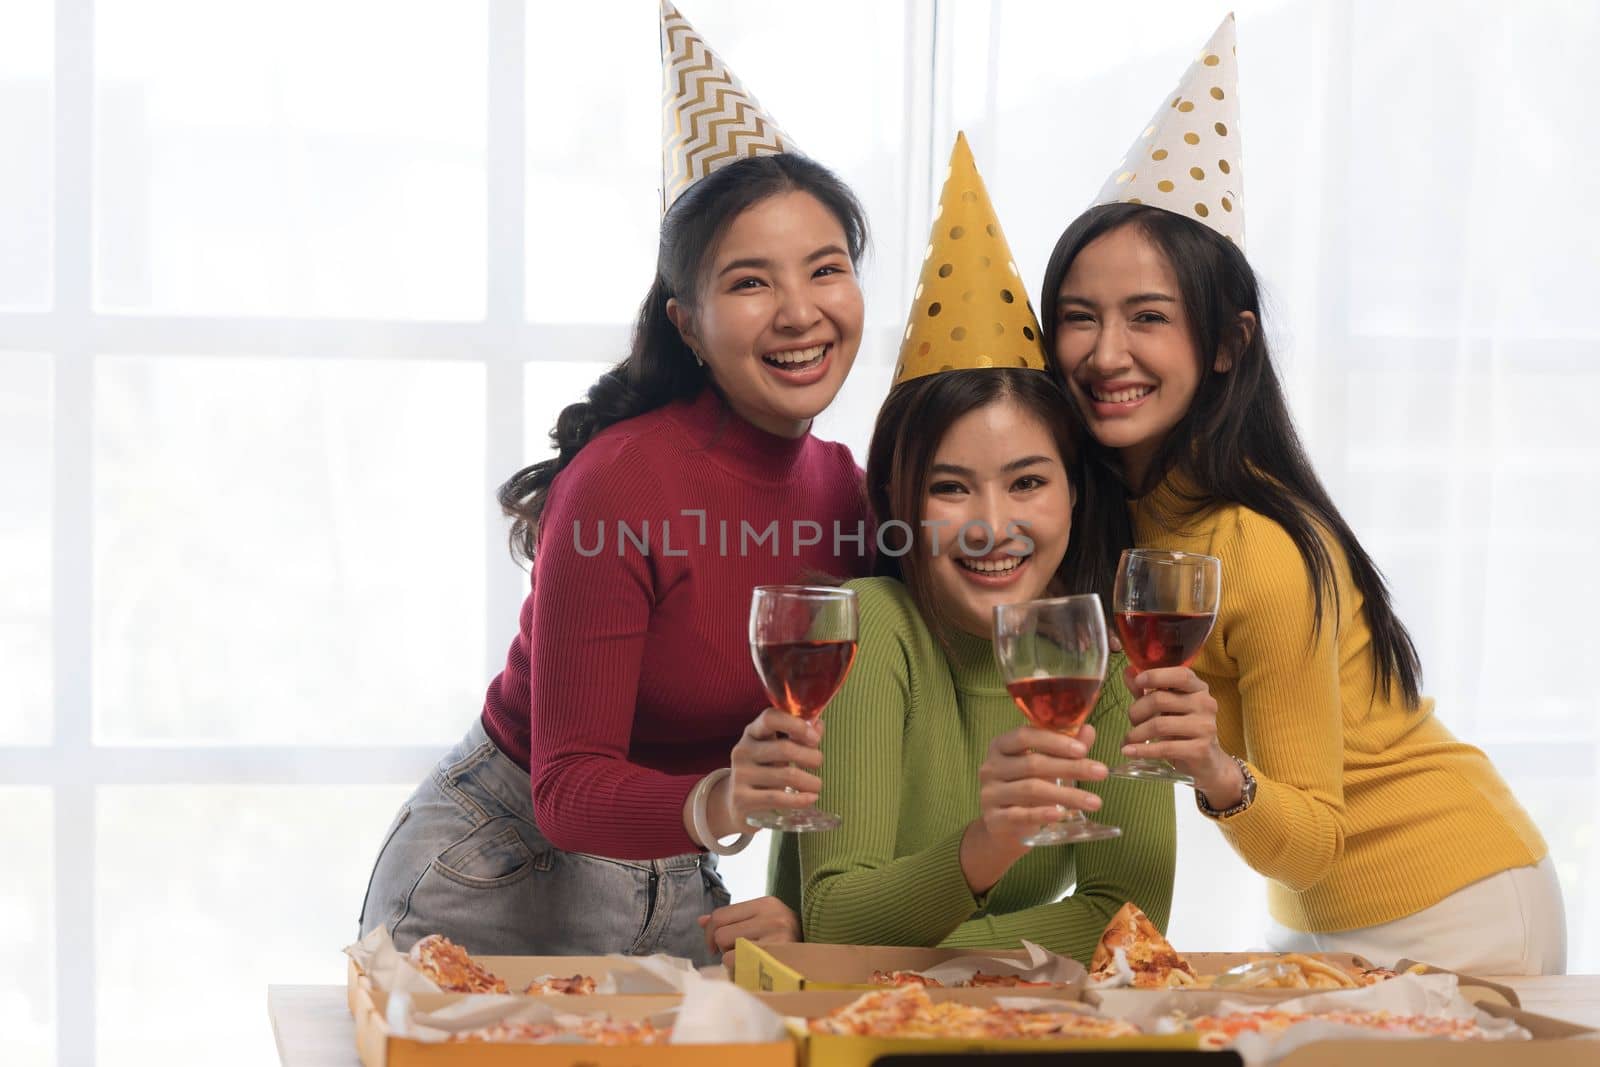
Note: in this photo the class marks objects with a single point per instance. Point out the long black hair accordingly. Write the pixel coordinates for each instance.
(914, 420)
(659, 367)
(1237, 442)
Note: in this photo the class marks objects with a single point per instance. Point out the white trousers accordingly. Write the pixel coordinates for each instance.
(1511, 923)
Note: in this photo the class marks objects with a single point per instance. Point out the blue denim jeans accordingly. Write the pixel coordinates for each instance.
(465, 858)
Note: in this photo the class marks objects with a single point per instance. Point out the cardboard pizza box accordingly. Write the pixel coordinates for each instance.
(828, 1050)
(803, 967)
(377, 1047)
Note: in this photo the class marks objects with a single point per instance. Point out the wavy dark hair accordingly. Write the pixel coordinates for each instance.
(1237, 442)
(659, 367)
(912, 423)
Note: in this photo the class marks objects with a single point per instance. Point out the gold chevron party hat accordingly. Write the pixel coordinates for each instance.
(970, 309)
(708, 119)
(1188, 158)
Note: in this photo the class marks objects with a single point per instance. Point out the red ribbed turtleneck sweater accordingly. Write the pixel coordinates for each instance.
(631, 676)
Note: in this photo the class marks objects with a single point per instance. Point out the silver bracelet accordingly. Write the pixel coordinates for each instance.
(1247, 795)
(702, 823)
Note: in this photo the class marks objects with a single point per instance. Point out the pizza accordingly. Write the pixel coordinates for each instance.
(1004, 981)
(1220, 1031)
(596, 1030)
(1292, 970)
(578, 985)
(451, 968)
(1131, 943)
(910, 1012)
(979, 980)
(904, 978)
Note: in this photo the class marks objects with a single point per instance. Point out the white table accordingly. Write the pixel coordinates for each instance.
(313, 1027)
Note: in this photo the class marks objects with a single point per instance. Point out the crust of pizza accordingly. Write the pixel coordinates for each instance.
(451, 968)
(1152, 959)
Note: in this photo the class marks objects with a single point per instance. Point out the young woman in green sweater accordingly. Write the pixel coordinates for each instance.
(926, 757)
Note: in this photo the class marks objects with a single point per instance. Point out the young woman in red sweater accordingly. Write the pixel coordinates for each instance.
(565, 822)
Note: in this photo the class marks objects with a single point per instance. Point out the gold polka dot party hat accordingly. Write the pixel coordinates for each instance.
(970, 309)
(1188, 158)
(708, 119)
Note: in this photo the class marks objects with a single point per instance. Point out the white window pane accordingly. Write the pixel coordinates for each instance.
(1210, 871)
(288, 551)
(27, 59)
(27, 929)
(253, 886)
(310, 157)
(594, 171)
(547, 387)
(26, 455)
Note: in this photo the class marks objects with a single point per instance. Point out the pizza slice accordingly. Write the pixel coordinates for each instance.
(904, 978)
(451, 968)
(1003, 981)
(1132, 944)
(578, 985)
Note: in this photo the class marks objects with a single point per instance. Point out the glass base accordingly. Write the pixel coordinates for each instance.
(1151, 770)
(794, 820)
(1067, 831)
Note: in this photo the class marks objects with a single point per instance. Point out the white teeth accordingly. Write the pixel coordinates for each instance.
(799, 355)
(1124, 395)
(993, 566)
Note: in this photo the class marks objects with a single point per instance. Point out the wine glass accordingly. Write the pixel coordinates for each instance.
(1052, 654)
(803, 639)
(1165, 605)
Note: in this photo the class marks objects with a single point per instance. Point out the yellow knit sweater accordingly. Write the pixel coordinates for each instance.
(1366, 810)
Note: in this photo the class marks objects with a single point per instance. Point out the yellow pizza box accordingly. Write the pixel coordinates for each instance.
(1556, 1043)
(801, 966)
(518, 971)
(829, 1050)
(377, 1047)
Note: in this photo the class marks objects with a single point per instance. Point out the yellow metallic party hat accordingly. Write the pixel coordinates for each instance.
(708, 120)
(970, 310)
(1188, 158)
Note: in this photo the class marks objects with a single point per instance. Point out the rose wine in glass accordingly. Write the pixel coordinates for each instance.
(1052, 655)
(803, 640)
(1165, 605)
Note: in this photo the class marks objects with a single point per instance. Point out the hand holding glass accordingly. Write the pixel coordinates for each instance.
(1052, 655)
(1165, 605)
(803, 640)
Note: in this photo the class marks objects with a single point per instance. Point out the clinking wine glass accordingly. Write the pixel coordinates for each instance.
(1052, 655)
(803, 640)
(1165, 604)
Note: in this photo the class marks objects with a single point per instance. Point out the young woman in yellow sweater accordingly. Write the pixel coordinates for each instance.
(1380, 832)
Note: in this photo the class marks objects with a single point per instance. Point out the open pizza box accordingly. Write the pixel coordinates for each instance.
(380, 1046)
(805, 967)
(830, 1050)
(1555, 1043)
(374, 963)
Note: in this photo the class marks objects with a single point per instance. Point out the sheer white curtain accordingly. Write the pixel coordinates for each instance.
(286, 291)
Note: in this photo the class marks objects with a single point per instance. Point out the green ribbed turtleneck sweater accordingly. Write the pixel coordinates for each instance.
(905, 738)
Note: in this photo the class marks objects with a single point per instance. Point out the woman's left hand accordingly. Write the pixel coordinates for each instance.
(765, 920)
(1176, 714)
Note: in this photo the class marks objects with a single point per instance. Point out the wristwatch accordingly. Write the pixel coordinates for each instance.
(1247, 795)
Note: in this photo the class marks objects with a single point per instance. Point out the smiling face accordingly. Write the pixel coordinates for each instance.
(998, 469)
(778, 315)
(1124, 344)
